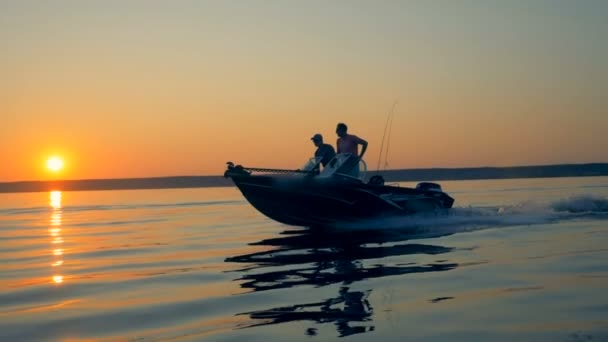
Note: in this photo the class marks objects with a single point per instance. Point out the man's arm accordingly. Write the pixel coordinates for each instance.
(364, 143)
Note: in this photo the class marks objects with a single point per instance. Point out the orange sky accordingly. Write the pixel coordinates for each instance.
(143, 88)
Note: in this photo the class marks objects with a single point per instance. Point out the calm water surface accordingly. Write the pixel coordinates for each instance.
(516, 259)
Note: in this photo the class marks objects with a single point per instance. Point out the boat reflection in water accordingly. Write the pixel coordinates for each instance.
(330, 257)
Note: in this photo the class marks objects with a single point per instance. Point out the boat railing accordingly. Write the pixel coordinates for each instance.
(239, 170)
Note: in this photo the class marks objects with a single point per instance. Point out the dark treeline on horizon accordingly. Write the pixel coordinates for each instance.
(408, 175)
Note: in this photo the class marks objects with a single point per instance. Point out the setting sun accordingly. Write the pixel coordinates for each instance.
(54, 164)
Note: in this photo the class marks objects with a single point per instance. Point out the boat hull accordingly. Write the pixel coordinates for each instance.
(309, 201)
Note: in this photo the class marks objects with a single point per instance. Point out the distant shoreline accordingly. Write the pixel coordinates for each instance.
(407, 175)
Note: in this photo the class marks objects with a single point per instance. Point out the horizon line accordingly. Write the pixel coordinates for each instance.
(368, 171)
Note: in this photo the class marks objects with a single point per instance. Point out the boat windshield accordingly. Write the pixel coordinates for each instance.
(311, 164)
(345, 164)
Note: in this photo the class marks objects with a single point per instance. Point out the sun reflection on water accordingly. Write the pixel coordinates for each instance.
(55, 233)
(55, 202)
(56, 219)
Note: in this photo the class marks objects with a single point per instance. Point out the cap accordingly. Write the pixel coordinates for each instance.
(317, 137)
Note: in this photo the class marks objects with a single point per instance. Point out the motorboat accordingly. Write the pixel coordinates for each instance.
(337, 193)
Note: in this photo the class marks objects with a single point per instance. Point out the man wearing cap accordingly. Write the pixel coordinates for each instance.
(324, 151)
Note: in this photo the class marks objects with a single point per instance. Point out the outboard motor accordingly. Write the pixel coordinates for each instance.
(428, 186)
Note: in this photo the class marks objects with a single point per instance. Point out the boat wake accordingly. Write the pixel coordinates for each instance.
(463, 219)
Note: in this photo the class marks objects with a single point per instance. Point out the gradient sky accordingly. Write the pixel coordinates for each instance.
(153, 88)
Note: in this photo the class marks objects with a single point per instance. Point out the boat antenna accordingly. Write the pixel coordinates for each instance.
(388, 119)
(388, 140)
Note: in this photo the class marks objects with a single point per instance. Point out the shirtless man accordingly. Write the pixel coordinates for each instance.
(349, 143)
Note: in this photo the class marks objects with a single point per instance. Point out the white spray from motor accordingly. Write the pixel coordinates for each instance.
(465, 219)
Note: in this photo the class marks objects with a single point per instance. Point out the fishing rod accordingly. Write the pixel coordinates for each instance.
(388, 141)
(388, 120)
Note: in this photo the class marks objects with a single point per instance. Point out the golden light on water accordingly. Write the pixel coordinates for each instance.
(56, 219)
(55, 232)
(55, 202)
(54, 164)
